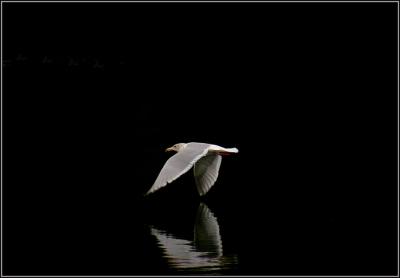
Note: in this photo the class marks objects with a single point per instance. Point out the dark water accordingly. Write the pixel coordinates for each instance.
(94, 94)
(201, 253)
(285, 205)
(252, 222)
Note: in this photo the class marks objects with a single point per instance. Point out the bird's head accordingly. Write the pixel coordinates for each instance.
(176, 147)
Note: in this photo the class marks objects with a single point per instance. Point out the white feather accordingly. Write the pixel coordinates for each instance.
(206, 172)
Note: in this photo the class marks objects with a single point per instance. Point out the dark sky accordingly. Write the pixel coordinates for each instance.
(94, 92)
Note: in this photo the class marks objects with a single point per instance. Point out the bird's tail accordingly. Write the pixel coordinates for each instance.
(232, 150)
(228, 151)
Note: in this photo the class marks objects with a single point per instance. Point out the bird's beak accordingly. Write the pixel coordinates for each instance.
(168, 150)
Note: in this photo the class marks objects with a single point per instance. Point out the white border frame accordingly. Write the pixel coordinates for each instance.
(283, 1)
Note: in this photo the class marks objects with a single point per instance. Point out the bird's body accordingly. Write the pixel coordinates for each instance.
(206, 159)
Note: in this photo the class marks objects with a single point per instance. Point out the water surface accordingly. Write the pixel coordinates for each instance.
(203, 252)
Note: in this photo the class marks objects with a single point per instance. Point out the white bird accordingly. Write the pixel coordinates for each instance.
(206, 159)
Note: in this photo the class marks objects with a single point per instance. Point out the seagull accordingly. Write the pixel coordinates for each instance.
(206, 159)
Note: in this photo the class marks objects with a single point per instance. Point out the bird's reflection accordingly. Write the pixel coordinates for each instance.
(203, 253)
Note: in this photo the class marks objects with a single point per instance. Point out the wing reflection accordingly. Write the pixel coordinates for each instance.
(204, 252)
(206, 232)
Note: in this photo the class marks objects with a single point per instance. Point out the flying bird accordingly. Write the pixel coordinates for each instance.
(206, 159)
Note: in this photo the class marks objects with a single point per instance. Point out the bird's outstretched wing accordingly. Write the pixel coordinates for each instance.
(206, 172)
(179, 164)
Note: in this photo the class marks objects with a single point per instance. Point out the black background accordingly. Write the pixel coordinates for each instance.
(94, 92)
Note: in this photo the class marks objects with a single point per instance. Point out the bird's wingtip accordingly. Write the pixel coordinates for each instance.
(146, 194)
